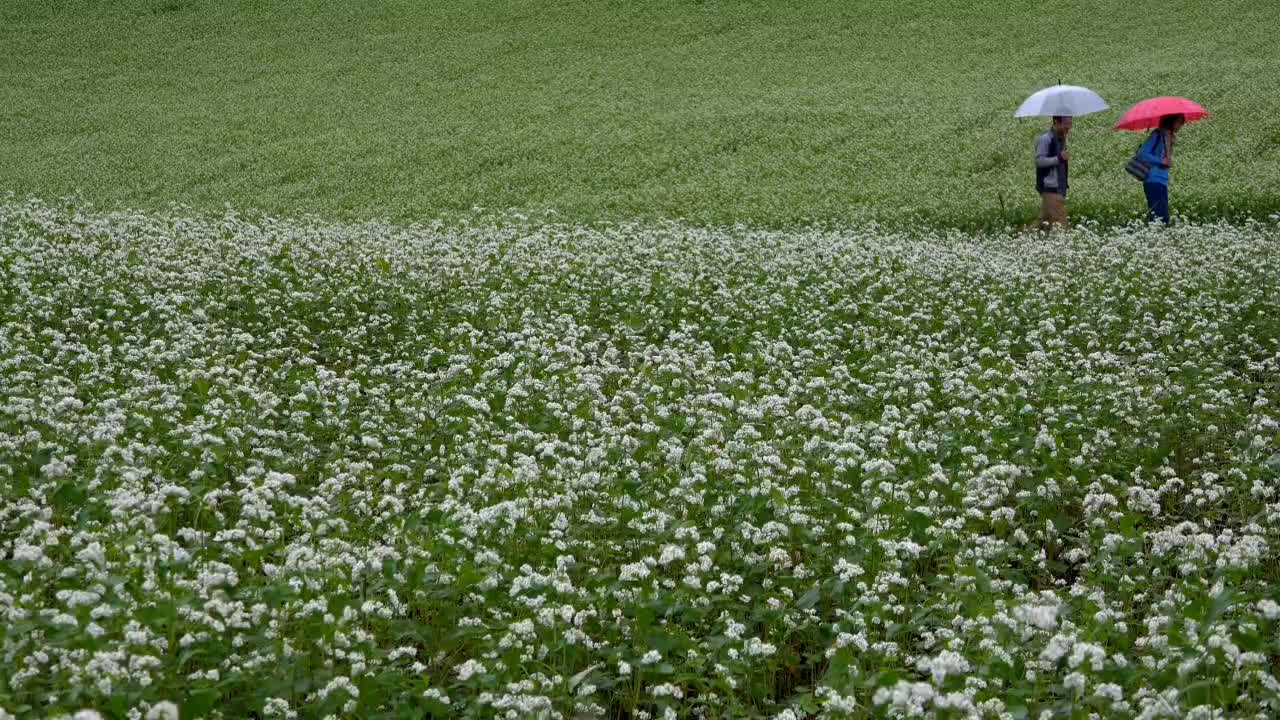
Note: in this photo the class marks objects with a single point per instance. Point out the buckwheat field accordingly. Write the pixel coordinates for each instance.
(288, 469)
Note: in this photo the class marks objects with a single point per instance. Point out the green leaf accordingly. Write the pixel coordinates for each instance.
(1221, 602)
(199, 702)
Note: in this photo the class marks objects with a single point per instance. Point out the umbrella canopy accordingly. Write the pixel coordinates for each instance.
(1066, 100)
(1146, 114)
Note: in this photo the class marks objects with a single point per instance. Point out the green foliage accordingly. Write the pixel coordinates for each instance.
(296, 469)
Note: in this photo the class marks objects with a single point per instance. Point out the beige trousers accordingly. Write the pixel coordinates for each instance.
(1053, 210)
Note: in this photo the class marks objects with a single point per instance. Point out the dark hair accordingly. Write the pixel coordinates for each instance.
(1168, 121)
(1060, 118)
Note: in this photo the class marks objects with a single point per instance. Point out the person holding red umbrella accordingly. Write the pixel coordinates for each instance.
(1165, 116)
(1157, 152)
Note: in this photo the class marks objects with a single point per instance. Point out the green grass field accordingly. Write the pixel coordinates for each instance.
(715, 112)
(298, 468)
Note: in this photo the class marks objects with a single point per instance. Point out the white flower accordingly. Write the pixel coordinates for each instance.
(667, 690)
(1109, 691)
(1044, 617)
(945, 663)
(634, 571)
(1269, 608)
(163, 710)
(278, 708)
(1045, 441)
(469, 669)
(437, 695)
(910, 698)
(670, 553)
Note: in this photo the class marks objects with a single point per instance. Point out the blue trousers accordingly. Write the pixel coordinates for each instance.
(1157, 202)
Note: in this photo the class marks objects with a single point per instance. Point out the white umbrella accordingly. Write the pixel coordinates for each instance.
(1066, 100)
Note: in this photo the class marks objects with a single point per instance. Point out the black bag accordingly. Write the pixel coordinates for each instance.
(1139, 169)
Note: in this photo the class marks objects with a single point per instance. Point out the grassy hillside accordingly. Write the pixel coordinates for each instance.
(711, 111)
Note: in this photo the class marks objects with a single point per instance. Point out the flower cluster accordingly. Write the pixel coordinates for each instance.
(294, 469)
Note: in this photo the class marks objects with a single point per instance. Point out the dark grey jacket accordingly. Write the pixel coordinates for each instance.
(1051, 169)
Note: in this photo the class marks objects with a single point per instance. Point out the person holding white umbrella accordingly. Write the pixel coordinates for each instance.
(1052, 159)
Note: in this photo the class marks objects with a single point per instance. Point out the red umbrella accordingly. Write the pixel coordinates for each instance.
(1146, 114)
